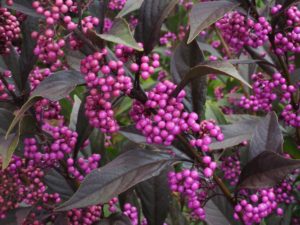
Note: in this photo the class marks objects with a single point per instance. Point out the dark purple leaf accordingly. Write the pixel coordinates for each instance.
(219, 211)
(267, 136)
(176, 215)
(204, 14)
(83, 128)
(127, 170)
(27, 58)
(115, 219)
(58, 85)
(131, 133)
(151, 17)
(61, 219)
(12, 63)
(266, 63)
(155, 198)
(209, 67)
(54, 88)
(235, 133)
(266, 170)
(184, 58)
(58, 184)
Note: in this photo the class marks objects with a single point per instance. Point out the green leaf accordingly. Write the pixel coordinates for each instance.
(54, 88)
(210, 67)
(7, 148)
(74, 113)
(204, 14)
(266, 170)
(9, 144)
(5, 120)
(127, 170)
(130, 6)
(120, 33)
(267, 136)
(212, 111)
(151, 17)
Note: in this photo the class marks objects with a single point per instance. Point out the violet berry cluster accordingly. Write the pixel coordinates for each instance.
(239, 31)
(21, 182)
(85, 166)
(116, 4)
(259, 206)
(106, 81)
(49, 49)
(5, 87)
(231, 168)
(86, 216)
(147, 66)
(266, 91)
(288, 39)
(187, 183)
(9, 30)
(169, 119)
(207, 129)
(132, 213)
(162, 117)
(59, 10)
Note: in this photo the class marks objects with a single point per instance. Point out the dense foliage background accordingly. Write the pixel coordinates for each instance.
(149, 112)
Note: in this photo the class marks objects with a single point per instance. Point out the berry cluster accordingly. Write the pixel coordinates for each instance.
(260, 205)
(207, 130)
(239, 31)
(9, 30)
(86, 216)
(169, 120)
(116, 4)
(64, 140)
(147, 66)
(132, 213)
(85, 166)
(188, 184)
(37, 75)
(290, 116)
(167, 39)
(163, 117)
(288, 40)
(105, 80)
(22, 183)
(231, 168)
(5, 88)
(264, 92)
(47, 110)
(284, 191)
(48, 49)
(59, 9)
(87, 23)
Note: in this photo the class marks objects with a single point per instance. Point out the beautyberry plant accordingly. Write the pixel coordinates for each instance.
(149, 112)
